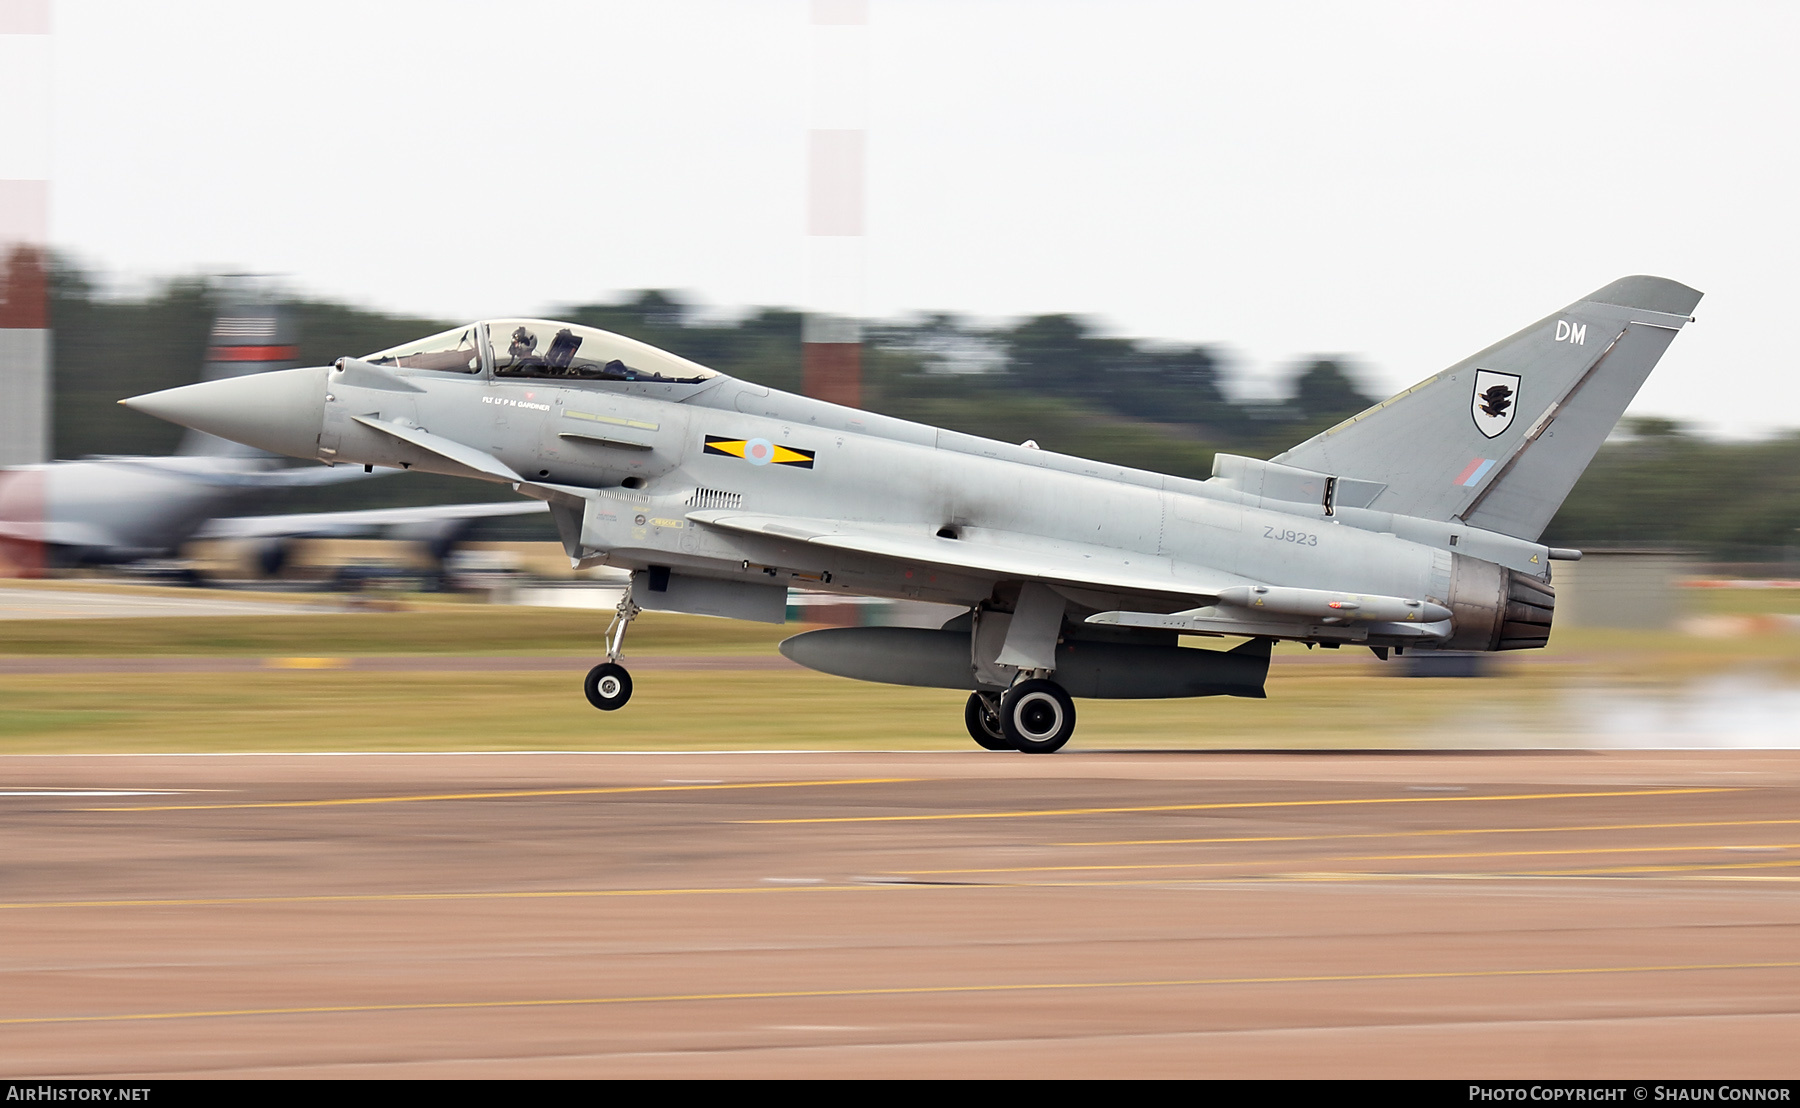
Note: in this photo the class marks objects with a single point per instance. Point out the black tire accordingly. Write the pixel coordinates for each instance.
(608, 686)
(984, 725)
(1037, 716)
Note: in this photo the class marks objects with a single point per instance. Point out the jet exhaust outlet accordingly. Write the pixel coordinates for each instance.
(1530, 607)
(1498, 609)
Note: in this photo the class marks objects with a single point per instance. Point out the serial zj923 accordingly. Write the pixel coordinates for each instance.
(1303, 538)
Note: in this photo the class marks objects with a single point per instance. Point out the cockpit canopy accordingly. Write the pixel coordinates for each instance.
(542, 348)
(455, 350)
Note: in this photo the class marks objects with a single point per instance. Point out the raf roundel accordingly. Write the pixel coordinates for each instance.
(759, 452)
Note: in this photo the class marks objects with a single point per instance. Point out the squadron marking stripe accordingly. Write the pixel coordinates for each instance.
(741, 448)
(510, 794)
(1029, 813)
(909, 990)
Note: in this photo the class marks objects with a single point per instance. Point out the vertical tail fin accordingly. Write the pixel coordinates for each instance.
(1499, 439)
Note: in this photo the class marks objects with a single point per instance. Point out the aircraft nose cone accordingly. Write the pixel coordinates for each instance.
(280, 412)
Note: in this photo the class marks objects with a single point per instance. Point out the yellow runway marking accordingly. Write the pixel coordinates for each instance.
(503, 795)
(306, 663)
(1440, 831)
(369, 898)
(1359, 858)
(912, 990)
(1697, 872)
(867, 886)
(1038, 812)
(1701, 869)
(1684, 868)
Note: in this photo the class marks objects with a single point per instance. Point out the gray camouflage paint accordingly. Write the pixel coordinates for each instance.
(1377, 507)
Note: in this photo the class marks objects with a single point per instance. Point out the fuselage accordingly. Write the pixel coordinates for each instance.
(644, 447)
(1077, 577)
(654, 463)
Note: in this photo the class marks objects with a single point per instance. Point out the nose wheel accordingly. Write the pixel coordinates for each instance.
(608, 685)
(1037, 716)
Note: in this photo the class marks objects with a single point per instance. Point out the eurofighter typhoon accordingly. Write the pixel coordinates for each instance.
(1412, 526)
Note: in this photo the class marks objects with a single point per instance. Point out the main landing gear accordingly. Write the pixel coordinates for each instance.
(982, 716)
(608, 685)
(1034, 716)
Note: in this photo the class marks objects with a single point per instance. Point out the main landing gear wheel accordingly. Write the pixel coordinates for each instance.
(1037, 716)
(982, 717)
(608, 686)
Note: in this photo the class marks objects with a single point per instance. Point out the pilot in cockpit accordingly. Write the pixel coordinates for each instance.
(524, 344)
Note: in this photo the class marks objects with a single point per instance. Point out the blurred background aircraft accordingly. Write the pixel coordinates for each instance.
(129, 510)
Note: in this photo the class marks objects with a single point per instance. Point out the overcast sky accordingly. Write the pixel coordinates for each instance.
(1402, 183)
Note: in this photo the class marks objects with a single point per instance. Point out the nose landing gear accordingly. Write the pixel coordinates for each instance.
(608, 685)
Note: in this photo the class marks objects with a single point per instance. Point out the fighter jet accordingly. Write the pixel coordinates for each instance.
(120, 510)
(1411, 526)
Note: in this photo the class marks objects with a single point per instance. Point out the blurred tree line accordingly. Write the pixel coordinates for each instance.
(1660, 485)
(1056, 379)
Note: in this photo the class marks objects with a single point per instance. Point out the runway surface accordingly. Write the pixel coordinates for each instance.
(908, 914)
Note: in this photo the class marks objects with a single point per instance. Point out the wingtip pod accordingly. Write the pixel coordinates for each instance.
(1650, 294)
